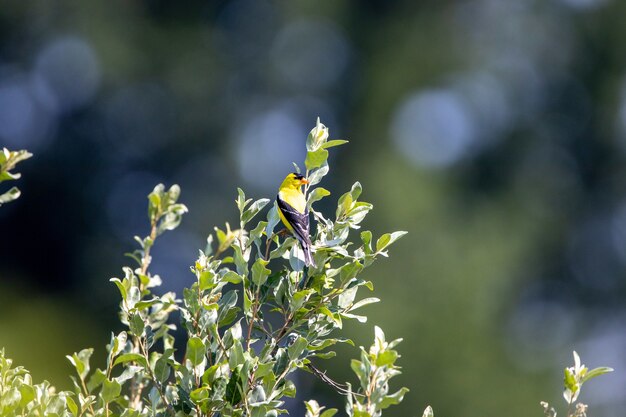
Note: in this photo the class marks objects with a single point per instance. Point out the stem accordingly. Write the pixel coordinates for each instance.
(283, 330)
(268, 245)
(221, 343)
(157, 384)
(255, 309)
(86, 392)
(136, 387)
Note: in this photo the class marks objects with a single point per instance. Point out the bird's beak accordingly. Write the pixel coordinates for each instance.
(304, 181)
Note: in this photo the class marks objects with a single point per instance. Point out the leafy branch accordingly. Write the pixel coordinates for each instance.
(8, 161)
(575, 377)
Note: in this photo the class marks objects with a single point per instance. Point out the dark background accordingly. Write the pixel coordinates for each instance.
(493, 131)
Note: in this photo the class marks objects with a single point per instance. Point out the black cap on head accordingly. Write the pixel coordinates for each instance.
(297, 176)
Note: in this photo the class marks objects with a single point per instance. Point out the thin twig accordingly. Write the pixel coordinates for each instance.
(341, 388)
(157, 384)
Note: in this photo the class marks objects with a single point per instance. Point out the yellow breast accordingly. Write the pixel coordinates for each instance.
(294, 198)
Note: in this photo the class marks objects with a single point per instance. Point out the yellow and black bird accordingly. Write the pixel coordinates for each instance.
(293, 212)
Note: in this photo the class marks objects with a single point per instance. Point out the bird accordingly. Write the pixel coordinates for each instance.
(293, 212)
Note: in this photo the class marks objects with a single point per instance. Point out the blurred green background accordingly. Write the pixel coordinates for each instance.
(493, 131)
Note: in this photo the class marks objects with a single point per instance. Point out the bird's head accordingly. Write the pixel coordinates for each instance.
(294, 180)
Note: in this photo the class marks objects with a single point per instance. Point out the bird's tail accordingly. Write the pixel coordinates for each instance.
(308, 256)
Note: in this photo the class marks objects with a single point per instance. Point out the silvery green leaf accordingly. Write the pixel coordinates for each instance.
(272, 220)
(296, 258)
(596, 372)
(364, 302)
(128, 372)
(260, 272)
(317, 137)
(317, 174)
(334, 142)
(387, 239)
(315, 159)
(254, 209)
(111, 389)
(195, 350)
(12, 194)
(393, 399)
(316, 195)
(295, 350)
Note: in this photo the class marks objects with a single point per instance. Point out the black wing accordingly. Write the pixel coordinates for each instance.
(299, 221)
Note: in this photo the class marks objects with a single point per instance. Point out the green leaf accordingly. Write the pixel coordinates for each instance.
(12, 194)
(254, 209)
(386, 358)
(199, 395)
(282, 362)
(195, 350)
(233, 389)
(316, 175)
(350, 271)
(4, 176)
(144, 304)
(596, 372)
(241, 200)
(226, 303)
(272, 220)
(343, 205)
(364, 302)
(356, 191)
(296, 349)
(128, 372)
(316, 195)
(387, 239)
(131, 357)
(289, 389)
(71, 404)
(329, 413)
(162, 369)
(260, 272)
(236, 353)
(392, 399)
(27, 394)
(9, 401)
(257, 396)
(206, 280)
(325, 355)
(240, 261)
(111, 389)
(334, 142)
(315, 159)
(328, 342)
(361, 373)
(361, 319)
(80, 361)
(317, 137)
(95, 380)
(137, 325)
(570, 380)
(119, 343)
(312, 408)
(366, 238)
(346, 298)
(232, 277)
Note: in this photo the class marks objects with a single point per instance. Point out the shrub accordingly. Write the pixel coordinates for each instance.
(253, 316)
